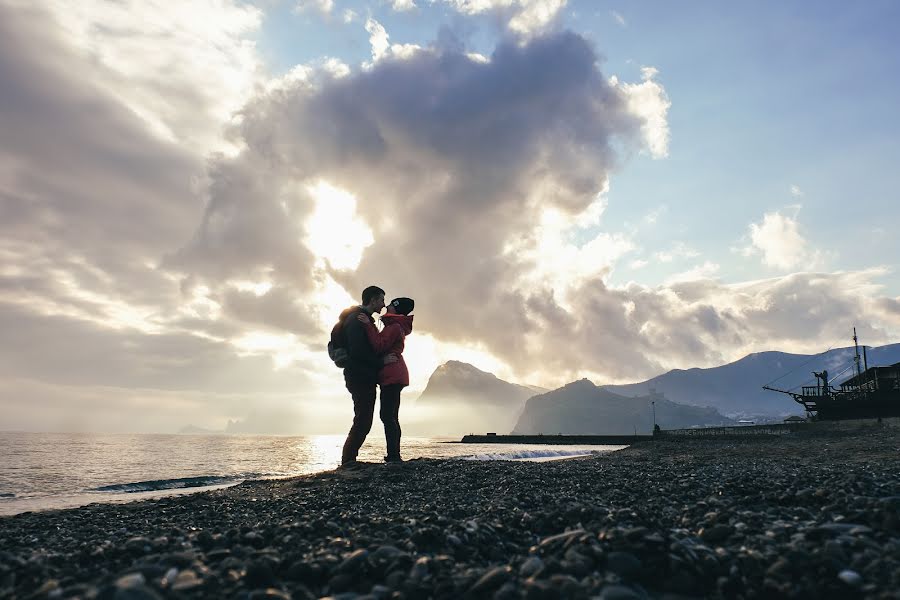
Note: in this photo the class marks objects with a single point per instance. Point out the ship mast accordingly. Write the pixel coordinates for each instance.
(856, 345)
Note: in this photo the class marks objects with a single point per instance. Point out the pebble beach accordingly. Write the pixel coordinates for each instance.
(813, 514)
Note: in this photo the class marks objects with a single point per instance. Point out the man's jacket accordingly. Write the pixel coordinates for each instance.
(363, 364)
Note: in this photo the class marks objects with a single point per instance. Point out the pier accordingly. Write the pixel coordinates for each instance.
(559, 440)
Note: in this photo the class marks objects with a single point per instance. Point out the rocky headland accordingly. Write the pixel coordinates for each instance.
(814, 514)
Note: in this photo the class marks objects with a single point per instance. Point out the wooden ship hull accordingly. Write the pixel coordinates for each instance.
(871, 393)
(849, 405)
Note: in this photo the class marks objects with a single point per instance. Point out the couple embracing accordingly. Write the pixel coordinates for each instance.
(374, 357)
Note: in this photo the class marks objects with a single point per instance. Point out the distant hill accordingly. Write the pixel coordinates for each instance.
(462, 398)
(583, 408)
(736, 390)
(194, 430)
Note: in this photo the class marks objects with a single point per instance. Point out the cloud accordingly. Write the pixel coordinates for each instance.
(403, 5)
(778, 238)
(475, 178)
(381, 47)
(649, 100)
(638, 263)
(700, 272)
(449, 160)
(166, 261)
(378, 38)
(796, 192)
(349, 15)
(522, 17)
(679, 250)
(323, 7)
(182, 68)
(93, 196)
(618, 18)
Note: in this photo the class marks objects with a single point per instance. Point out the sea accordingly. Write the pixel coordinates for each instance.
(46, 471)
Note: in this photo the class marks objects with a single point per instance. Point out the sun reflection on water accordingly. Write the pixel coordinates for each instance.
(324, 450)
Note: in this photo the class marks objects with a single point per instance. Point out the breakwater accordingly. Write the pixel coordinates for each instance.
(590, 440)
(736, 430)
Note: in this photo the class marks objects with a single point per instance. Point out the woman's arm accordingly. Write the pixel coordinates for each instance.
(384, 340)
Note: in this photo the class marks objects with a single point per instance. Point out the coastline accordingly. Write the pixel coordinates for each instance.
(813, 514)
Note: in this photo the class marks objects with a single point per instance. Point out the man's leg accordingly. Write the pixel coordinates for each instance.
(390, 416)
(363, 410)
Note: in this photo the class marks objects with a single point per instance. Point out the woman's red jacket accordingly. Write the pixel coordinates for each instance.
(391, 341)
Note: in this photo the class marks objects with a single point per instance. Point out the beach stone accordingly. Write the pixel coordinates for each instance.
(130, 580)
(839, 528)
(186, 580)
(491, 580)
(635, 534)
(138, 545)
(532, 566)
(619, 592)
(169, 577)
(716, 533)
(395, 579)
(385, 553)
(566, 585)
(137, 592)
(536, 589)
(354, 562)
(269, 594)
(218, 554)
(180, 559)
(623, 564)
(507, 591)
(205, 539)
(851, 578)
(51, 586)
(560, 538)
(342, 582)
(259, 574)
(420, 568)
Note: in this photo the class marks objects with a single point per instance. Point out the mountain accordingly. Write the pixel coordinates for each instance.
(462, 398)
(736, 390)
(583, 408)
(194, 430)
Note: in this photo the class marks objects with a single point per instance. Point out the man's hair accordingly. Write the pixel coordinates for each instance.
(370, 292)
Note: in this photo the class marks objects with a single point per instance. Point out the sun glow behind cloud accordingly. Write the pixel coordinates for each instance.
(334, 232)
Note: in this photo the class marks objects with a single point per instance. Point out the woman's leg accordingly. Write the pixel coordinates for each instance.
(390, 416)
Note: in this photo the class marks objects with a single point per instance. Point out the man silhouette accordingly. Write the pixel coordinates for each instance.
(361, 372)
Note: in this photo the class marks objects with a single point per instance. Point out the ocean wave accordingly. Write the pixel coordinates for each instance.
(173, 484)
(529, 454)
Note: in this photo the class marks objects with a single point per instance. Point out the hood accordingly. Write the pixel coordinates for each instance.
(405, 321)
(350, 310)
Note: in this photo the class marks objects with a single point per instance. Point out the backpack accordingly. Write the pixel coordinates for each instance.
(337, 346)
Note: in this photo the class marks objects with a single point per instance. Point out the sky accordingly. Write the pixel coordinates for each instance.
(191, 192)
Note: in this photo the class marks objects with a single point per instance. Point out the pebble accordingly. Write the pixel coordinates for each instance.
(491, 580)
(532, 566)
(186, 580)
(851, 578)
(619, 592)
(623, 564)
